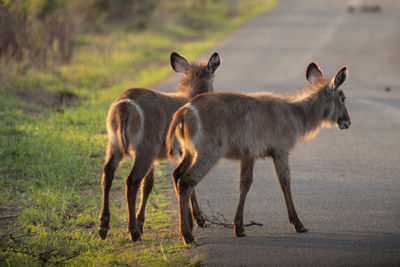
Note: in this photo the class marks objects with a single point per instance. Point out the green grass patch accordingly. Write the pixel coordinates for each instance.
(52, 142)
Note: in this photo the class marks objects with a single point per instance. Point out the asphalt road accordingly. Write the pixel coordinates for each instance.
(345, 184)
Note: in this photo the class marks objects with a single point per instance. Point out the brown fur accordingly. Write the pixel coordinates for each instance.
(250, 126)
(137, 124)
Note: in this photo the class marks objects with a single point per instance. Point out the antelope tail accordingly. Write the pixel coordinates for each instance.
(122, 135)
(176, 120)
(129, 111)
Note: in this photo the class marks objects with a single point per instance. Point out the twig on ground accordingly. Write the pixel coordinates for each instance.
(215, 220)
(19, 236)
(43, 256)
(10, 234)
(8, 217)
(68, 258)
(46, 252)
(253, 223)
(20, 251)
(222, 216)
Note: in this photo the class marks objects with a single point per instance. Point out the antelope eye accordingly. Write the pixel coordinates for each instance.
(342, 98)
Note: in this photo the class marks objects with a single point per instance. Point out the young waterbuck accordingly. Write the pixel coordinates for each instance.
(137, 125)
(249, 126)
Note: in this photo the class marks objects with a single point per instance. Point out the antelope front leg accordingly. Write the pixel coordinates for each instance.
(246, 178)
(283, 173)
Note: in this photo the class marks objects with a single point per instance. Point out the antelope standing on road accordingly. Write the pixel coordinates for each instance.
(249, 126)
(137, 124)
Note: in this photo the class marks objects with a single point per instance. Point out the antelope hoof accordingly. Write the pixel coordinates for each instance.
(201, 223)
(103, 232)
(135, 235)
(140, 226)
(240, 234)
(188, 238)
(302, 230)
(239, 231)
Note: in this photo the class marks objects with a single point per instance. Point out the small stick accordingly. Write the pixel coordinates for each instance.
(39, 255)
(18, 236)
(44, 256)
(46, 252)
(229, 225)
(8, 217)
(9, 234)
(222, 215)
(253, 223)
(20, 251)
(216, 221)
(68, 258)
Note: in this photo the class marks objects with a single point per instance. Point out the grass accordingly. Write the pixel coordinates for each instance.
(52, 147)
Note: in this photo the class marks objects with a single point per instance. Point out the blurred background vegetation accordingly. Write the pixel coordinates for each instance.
(42, 31)
(70, 50)
(61, 65)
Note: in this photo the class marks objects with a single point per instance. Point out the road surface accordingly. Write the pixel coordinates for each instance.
(345, 184)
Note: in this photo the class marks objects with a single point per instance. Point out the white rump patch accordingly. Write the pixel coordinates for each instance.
(139, 110)
(196, 114)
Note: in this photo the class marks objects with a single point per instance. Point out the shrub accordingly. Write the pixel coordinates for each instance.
(41, 30)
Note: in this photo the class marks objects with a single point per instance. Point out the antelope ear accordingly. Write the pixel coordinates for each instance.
(213, 62)
(179, 63)
(313, 72)
(340, 77)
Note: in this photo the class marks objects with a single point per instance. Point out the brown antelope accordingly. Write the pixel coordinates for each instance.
(137, 124)
(249, 126)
